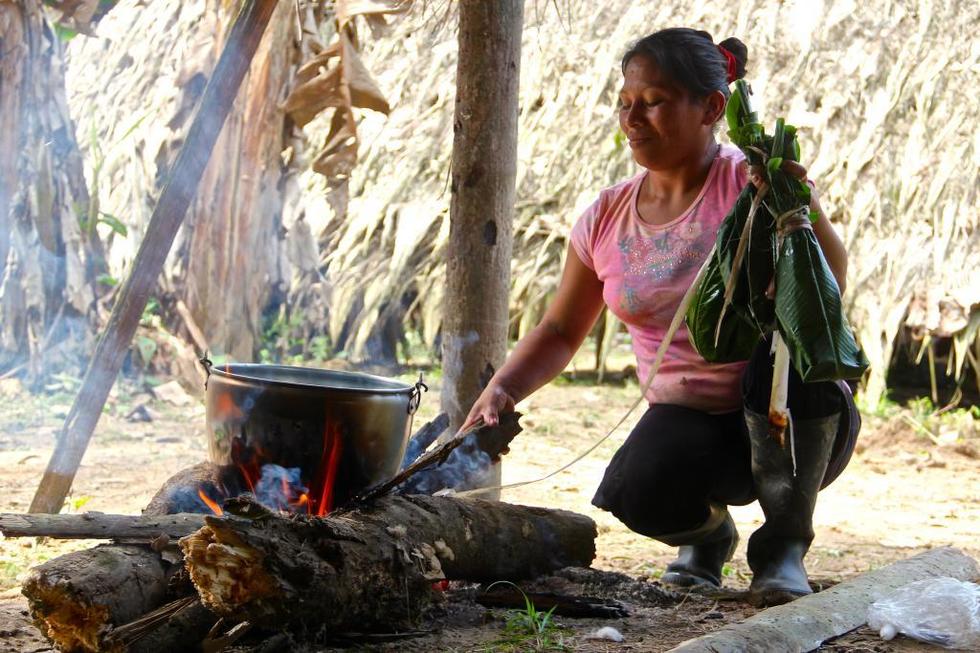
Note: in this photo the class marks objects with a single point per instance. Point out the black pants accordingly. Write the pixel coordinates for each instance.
(678, 459)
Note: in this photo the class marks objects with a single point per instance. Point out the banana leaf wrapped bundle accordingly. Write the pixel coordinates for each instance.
(768, 236)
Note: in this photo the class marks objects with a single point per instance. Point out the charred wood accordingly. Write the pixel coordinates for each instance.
(372, 568)
(560, 604)
(424, 437)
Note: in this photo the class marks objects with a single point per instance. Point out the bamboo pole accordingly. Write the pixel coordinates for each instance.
(185, 175)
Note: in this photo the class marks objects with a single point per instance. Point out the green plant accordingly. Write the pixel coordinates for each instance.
(530, 627)
(75, 504)
(150, 311)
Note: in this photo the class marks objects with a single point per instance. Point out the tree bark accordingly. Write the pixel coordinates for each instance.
(48, 261)
(809, 621)
(373, 568)
(474, 335)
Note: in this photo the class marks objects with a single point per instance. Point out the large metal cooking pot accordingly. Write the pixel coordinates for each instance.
(345, 431)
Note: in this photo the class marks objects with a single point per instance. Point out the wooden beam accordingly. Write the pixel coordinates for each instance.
(185, 175)
(806, 623)
(99, 526)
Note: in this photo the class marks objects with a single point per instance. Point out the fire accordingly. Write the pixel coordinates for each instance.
(281, 488)
(209, 502)
(327, 473)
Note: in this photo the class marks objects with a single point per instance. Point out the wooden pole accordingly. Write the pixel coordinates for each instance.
(484, 164)
(807, 622)
(99, 526)
(186, 173)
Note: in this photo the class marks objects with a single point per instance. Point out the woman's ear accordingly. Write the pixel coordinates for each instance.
(714, 107)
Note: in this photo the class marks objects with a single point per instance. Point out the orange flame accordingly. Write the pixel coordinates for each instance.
(213, 505)
(332, 447)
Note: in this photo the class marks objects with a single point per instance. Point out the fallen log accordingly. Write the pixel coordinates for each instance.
(80, 599)
(76, 598)
(806, 623)
(372, 568)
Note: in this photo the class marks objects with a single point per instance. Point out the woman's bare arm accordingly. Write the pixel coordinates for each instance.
(544, 352)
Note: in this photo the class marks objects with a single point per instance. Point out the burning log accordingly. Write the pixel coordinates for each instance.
(373, 568)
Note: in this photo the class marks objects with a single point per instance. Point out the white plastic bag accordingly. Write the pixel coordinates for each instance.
(941, 611)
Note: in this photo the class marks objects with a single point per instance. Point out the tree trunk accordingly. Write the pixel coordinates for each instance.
(373, 568)
(229, 262)
(48, 257)
(230, 258)
(474, 335)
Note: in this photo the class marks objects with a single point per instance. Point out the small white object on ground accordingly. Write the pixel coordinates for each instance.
(606, 632)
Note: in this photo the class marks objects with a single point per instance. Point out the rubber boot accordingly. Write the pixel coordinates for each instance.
(703, 551)
(776, 550)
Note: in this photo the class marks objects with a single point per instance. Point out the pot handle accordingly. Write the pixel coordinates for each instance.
(207, 365)
(415, 398)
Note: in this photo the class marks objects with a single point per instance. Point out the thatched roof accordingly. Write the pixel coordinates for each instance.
(882, 93)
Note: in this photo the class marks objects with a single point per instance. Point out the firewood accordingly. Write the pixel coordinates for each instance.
(100, 526)
(427, 474)
(76, 598)
(79, 599)
(372, 568)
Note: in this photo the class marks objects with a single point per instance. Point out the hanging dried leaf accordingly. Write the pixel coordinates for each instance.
(79, 14)
(337, 159)
(364, 93)
(321, 91)
(346, 10)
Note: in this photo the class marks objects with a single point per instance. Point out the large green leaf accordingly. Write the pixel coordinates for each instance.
(809, 313)
(757, 266)
(736, 339)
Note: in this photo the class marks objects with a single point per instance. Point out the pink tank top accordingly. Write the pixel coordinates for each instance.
(646, 269)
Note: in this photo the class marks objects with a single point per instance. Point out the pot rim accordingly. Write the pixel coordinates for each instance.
(240, 372)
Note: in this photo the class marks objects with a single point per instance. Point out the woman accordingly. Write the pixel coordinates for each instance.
(703, 443)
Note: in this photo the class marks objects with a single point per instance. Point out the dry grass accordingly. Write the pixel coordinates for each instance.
(880, 91)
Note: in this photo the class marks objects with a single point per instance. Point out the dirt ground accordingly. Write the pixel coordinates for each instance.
(902, 494)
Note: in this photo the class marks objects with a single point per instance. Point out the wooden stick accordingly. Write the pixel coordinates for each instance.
(99, 526)
(560, 604)
(200, 341)
(424, 437)
(185, 175)
(809, 621)
(493, 440)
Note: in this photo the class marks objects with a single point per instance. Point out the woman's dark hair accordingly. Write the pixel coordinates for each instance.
(691, 59)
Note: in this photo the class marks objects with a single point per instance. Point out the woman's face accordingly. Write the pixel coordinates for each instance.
(664, 125)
